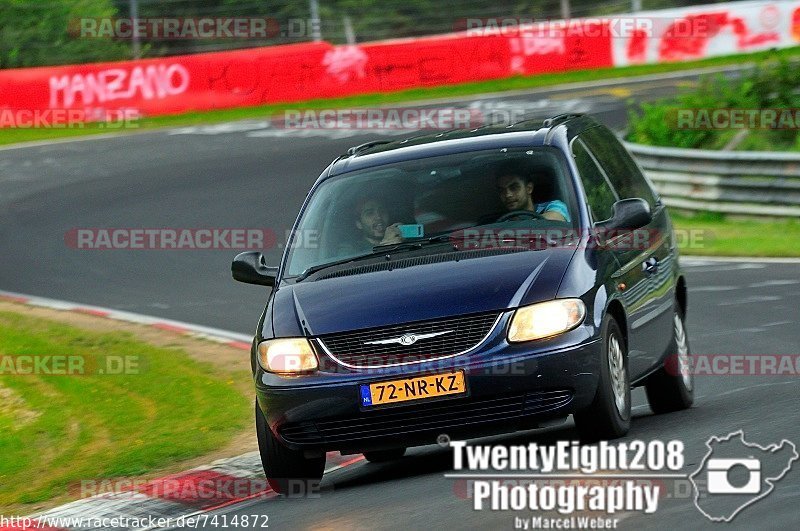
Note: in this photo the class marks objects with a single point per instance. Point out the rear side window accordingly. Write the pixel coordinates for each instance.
(622, 171)
(599, 194)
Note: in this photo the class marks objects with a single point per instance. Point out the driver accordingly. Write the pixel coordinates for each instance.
(515, 187)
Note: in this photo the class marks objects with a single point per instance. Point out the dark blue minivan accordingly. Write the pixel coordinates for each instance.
(462, 284)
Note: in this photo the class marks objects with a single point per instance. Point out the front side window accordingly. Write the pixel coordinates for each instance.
(360, 212)
(599, 193)
(621, 169)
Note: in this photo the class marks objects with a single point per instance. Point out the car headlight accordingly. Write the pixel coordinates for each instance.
(545, 319)
(287, 355)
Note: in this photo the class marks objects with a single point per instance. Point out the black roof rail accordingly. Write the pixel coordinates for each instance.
(550, 122)
(532, 122)
(366, 145)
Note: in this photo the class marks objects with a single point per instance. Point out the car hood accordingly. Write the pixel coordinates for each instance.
(421, 292)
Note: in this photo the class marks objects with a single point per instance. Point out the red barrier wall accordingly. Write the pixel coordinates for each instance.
(294, 72)
(319, 70)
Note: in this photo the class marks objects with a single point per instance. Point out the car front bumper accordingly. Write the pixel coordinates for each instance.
(509, 388)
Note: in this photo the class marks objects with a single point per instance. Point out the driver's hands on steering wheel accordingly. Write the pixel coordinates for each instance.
(519, 214)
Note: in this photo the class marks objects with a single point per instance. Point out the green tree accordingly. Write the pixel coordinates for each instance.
(46, 32)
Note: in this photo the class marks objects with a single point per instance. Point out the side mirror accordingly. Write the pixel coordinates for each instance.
(629, 214)
(251, 268)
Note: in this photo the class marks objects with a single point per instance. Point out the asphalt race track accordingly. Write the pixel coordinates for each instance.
(252, 175)
(226, 176)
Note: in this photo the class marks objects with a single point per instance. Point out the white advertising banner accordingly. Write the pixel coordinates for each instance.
(698, 32)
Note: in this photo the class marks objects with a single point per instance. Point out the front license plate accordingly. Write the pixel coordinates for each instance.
(419, 388)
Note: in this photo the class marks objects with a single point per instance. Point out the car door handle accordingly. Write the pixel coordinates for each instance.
(650, 266)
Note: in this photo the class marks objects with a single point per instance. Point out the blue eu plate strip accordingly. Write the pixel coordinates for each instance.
(366, 396)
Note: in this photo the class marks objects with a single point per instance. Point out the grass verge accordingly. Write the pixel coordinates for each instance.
(769, 85)
(57, 430)
(10, 136)
(710, 234)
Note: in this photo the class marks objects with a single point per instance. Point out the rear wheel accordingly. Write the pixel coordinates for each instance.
(288, 471)
(671, 388)
(384, 456)
(609, 414)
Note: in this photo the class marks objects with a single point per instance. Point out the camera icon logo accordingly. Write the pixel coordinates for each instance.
(718, 481)
(735, 474)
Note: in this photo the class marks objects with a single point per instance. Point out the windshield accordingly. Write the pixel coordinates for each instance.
(385, 207)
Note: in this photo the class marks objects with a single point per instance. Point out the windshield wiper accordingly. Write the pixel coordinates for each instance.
(378, 250)
(307, 272)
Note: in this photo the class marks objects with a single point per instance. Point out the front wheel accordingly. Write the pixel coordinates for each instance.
(609, 414)
(671, 388)
(288, 471)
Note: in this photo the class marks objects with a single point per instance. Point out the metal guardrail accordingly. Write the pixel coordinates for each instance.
(732, 182)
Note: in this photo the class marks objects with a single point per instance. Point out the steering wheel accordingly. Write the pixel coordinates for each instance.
(519, 213)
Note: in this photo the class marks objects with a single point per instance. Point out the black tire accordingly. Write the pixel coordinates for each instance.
(671, 388)
(603, 419)
(384, 456)
(288, 471)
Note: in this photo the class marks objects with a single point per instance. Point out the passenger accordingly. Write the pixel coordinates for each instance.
(372, 221)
